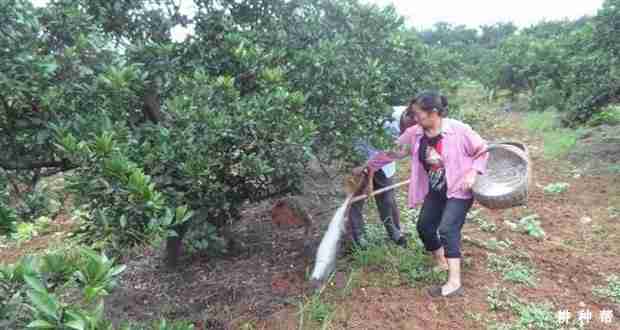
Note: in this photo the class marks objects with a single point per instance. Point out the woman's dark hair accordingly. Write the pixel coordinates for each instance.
(431, 101)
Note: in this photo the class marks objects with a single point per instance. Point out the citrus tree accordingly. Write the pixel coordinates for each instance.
(165, 138)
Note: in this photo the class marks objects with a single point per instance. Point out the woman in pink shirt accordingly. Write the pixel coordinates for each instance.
(446, 157)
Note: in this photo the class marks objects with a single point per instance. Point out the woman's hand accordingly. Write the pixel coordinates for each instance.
(383, 158)
(399, 152)
(469, 179)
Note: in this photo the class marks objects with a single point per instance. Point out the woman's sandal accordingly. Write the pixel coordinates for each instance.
(436, 292)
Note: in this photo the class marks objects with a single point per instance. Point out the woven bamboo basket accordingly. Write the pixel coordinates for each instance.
(506, 180)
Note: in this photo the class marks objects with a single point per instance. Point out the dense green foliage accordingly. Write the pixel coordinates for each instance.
(63, 290)
(159, 137)
(33, 284)
(571, 66)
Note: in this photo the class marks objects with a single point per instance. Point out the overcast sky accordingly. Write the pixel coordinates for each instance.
(473, 13)
(423, 14)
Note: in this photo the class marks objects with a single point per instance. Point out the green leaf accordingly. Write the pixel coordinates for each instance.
(180, 212)
(49, 68)
(117, 270)
(92, 292)
(99, 310)
(168, 218)
(81, 276)
(183, 215)
(41, 324)
(34, 283)
(44, 303)
(76, 324)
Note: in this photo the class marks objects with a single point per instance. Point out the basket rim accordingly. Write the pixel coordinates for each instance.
(520, 185)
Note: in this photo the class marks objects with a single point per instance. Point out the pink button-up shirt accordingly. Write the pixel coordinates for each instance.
(460, 145)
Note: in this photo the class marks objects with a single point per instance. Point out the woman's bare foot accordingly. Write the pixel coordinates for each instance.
(449, 287)
(440, 260)
(441, 267)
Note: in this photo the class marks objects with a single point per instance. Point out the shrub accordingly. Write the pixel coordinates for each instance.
(33, 286)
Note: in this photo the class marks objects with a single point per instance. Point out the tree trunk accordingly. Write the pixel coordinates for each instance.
(174, 247)
(152, 106)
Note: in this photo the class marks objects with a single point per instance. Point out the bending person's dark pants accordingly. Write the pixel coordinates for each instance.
(386, 205)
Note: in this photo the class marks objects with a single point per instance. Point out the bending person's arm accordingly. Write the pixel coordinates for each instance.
(401, 149)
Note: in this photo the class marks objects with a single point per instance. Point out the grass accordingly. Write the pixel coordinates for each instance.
(471, 106)
(529, 225)
(381, 264)
(611, 291)
(536, 316)
(318, 310)
(500, 299)
(614, 169)
(609, 116)
(528, 315)
(473, 316)
(614, 212)
(161, 324)
(512, 270)
(249, 325)
(29, 230)
(498, 245)
(397, 265)
(540, 121)
(556, 188)
(353, 280)
(315, 313)
(485, 226)
(600, 232)
(557, 142)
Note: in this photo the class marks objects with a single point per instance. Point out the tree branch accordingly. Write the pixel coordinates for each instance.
(151, 107)
(57, 170)
(15, 165)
